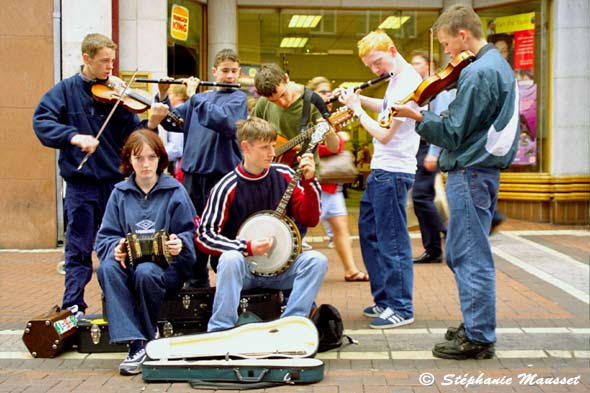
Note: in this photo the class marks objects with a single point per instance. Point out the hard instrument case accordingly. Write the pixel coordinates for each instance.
(275, 352)
(47, 335)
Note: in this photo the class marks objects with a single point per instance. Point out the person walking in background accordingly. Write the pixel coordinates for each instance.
(363, 164)
(211, 147)
(147, 202)
(384, 238)
(333, 212)
(479, 136)
(68, 118)
(174, 141)
(423, 194)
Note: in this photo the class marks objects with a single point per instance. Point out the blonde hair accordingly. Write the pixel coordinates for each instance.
(94, 42)
(315, 82)
(255, 129)
(180, 90)
(456, 18)
(375, 40)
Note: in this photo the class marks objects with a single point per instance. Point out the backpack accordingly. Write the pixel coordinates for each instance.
(328, 321)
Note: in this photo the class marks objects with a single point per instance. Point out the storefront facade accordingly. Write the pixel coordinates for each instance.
(545, 41)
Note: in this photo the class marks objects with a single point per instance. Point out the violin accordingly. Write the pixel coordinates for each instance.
(133, 100)
(431, 86)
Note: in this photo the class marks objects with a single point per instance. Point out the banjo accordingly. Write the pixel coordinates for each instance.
(286, 244)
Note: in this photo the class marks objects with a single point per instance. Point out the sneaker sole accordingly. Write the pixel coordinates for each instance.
(485, 354)
(123, 371)
(403, 323)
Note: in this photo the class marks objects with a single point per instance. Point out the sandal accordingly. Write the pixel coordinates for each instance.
(357, 276)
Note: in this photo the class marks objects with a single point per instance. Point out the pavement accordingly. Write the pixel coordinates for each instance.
(542, 312)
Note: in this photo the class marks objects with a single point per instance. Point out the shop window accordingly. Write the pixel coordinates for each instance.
(185, 39)
(518, 32)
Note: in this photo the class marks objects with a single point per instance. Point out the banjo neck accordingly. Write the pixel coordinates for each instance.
(319, 131)
(280, 211)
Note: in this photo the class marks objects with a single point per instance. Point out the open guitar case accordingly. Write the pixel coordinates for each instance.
(251, 356)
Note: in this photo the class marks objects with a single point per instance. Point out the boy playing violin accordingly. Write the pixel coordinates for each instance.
(68, 118)
(479, 137)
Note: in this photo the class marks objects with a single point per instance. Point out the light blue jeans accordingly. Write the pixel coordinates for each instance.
(472, 195)
(385, 241)
(305, 277)
(133, 297)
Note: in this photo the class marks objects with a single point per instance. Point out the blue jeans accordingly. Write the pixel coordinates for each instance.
(133, 297)
(385, 241)
(305, 277)
(472, 194)
(84, 206)
(423, 196)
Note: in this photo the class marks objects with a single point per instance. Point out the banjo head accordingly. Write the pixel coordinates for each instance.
(286, 242)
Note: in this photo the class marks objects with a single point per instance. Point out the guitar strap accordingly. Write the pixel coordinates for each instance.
(306, 109)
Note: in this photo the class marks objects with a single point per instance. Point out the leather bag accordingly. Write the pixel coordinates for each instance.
(338, 168)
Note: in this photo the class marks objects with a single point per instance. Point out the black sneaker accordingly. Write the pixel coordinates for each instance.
(452, 332)
(461, 348)
(497, 220)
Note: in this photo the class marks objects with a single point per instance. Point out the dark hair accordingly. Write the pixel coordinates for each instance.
(255, 129)
(426, 56)
(134, 146)
(459, 17)
(268, 78)
(226, 54)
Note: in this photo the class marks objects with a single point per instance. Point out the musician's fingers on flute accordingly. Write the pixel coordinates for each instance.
(174, 244)
(163, 86)
(348, 97)
(191, 81)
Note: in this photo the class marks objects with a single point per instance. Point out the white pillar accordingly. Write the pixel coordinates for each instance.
(142, 36)
(570, 95)
(222, 31)
(79, 18)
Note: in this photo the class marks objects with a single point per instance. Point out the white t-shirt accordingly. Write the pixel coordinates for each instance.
(399, 154)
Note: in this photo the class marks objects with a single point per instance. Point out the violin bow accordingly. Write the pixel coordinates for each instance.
(104, 124)
(430, 51)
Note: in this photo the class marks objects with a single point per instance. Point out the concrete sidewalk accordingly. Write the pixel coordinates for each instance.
(542, 310)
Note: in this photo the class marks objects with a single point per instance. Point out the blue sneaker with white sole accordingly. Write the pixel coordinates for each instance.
(390, 319)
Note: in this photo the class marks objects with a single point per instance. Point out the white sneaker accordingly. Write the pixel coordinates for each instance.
(331, 244)
(75, 312)
(305, 246)
(132, 364)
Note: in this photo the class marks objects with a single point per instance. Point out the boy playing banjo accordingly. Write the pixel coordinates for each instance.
(258, 184)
